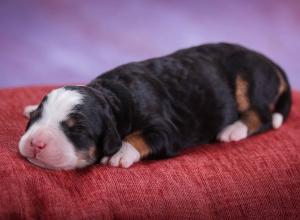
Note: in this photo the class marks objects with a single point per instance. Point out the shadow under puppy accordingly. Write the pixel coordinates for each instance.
(155, 108)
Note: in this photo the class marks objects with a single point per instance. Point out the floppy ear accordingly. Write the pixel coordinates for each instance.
(28, 109)
(111, 140)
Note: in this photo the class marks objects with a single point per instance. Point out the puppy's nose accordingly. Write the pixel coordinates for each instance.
(37, 144)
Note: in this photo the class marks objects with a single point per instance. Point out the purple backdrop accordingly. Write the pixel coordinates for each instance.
(47, 42)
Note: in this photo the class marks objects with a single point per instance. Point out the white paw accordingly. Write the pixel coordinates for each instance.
(125, 157)
(28, 109)
(277, 120)
(234, 132)
(104, 160)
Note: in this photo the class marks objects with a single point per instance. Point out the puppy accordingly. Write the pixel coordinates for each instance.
(156, 108)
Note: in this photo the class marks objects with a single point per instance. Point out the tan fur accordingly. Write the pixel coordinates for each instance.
(70, 122)
(252, 121)
(281, 89)
(241, 94)
(137, 141)
(84, 158)
(282, 84)
(83, 155)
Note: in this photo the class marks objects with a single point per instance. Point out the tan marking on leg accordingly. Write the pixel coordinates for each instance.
(241, 94)
(282, 87)
(252, 120)
(137, 141)
(282, 84)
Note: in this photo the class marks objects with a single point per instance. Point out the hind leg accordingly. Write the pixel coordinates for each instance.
(262, 95)
(254, 116)
(253, 121)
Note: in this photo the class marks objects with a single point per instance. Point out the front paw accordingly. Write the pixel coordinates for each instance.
(125, 157)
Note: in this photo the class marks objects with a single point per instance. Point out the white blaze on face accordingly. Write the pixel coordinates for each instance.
(55, 150)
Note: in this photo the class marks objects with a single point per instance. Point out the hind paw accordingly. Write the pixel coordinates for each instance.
(234, 132)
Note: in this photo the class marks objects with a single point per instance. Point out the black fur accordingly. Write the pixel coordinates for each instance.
(177, 101)
(36, 114)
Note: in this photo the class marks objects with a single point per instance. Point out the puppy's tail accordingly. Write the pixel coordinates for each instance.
(283, 104)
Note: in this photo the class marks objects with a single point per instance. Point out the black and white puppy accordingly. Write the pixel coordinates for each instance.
(155, 108)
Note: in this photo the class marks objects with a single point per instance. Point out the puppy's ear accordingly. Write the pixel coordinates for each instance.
(111, 140)
(28, 109)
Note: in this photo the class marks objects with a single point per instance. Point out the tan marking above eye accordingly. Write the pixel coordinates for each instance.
(241, 94)
(70, 122)
(137, 141)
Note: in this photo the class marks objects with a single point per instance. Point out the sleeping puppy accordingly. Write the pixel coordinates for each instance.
(155, 108)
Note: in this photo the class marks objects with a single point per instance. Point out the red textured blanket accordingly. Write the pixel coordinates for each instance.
(258, 178)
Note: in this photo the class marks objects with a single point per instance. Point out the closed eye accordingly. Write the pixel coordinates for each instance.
(73, 125)
(77, 131)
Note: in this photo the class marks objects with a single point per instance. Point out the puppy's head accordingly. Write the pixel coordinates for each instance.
(71, 128)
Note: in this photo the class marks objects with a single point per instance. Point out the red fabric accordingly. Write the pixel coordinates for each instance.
(258, 178)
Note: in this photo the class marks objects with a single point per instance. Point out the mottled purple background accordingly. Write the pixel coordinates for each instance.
(47, 42)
